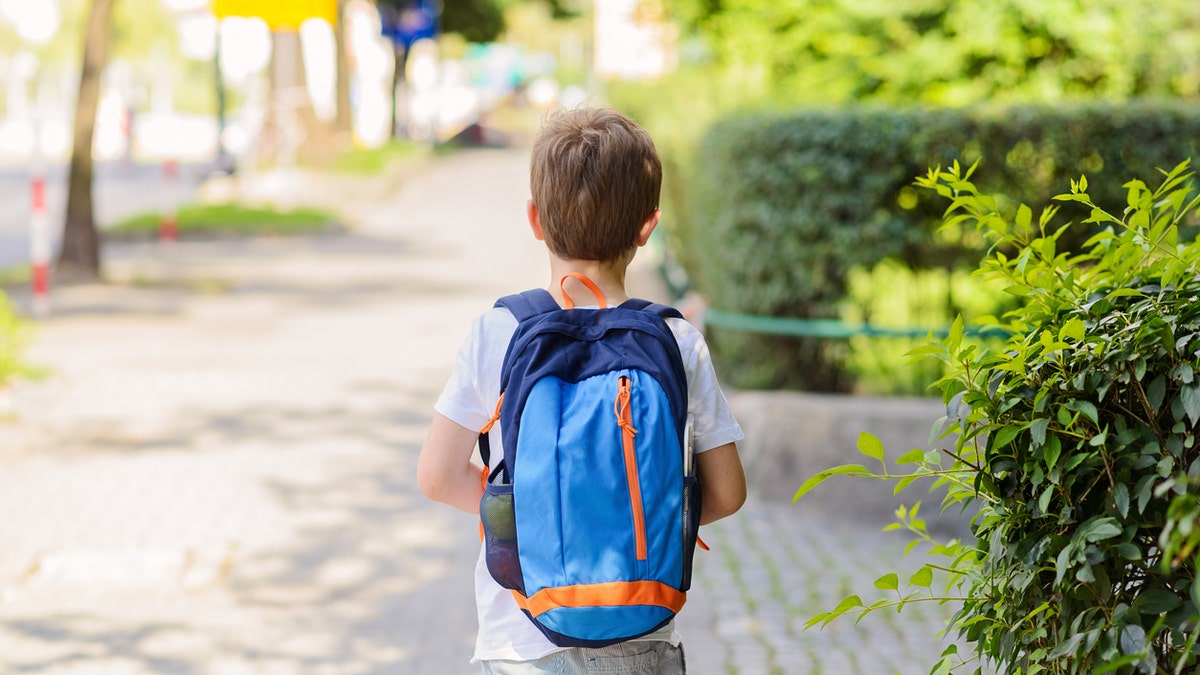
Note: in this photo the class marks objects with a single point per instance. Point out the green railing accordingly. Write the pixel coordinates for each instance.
(825, 328)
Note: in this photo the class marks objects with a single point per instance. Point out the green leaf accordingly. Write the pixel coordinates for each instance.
(1143, 490)
(922, 577)
(1099, 529)
(1005, 436)
(1069, 646)
(1190, 396)
(903, 483)
(847, 604)
(1184, 373)
(1037, 431)
(1052, 452)
(1133, 639)
(1129, 551)
(1044, 500)
(954, 336)
(1036, 610)
(1121, 499)
(1085, 408)
(870, 446)
(1156, 601)
(844, 470)
(1024, 217)
(1073, 329)
(1063, 416)
(822, 618)
(1156, 392)
(913, 456)
(888, 582)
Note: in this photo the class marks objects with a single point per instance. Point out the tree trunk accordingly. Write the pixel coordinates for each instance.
(80, 255)
(292, 132)
(399, 87)
(343, 123)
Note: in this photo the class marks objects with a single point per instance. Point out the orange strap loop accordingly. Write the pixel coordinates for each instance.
(491, 422)
(612, 594)
(581, 278)
(621, 408)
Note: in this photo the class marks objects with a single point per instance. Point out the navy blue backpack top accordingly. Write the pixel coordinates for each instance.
(591, 517)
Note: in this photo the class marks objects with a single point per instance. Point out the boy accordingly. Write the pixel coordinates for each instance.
(595, 182)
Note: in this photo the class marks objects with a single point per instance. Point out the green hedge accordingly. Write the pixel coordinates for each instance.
(783, 205)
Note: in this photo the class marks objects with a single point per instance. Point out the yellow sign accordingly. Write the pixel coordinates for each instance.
(279, 14)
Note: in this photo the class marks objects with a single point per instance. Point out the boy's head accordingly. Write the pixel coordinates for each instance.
(595, 180)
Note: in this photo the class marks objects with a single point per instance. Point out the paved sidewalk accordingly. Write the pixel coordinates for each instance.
(218, 475)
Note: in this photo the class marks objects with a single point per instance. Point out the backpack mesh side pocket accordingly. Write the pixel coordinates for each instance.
(498, 516)
(691, 526)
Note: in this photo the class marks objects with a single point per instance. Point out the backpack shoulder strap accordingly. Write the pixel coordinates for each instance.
(528, 304)
(664, 311)
(524, 306)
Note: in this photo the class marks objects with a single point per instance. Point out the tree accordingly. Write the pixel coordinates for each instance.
(934, 52)
(477, 20)
(80, 255)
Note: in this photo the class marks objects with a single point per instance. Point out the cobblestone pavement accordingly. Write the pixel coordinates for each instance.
(217, 474)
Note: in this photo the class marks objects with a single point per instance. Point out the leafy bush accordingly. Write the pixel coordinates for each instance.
(782, 206)
(1076, 442)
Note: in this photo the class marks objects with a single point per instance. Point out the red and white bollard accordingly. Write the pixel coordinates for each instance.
(168, 219)
(39, 244)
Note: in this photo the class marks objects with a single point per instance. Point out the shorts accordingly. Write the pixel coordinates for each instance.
(642, 657)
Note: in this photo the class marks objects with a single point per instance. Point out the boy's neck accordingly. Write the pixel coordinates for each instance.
(609, 276)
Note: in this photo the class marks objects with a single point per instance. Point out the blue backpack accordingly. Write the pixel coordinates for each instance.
(591, 517)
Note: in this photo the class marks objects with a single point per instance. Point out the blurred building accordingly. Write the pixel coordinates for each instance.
(633, 40)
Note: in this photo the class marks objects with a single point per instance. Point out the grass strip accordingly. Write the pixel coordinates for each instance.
(226, 219)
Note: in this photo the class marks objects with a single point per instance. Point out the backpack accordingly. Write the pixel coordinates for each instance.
(591, 517)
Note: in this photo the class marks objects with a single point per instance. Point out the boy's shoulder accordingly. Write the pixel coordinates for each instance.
(495, 322)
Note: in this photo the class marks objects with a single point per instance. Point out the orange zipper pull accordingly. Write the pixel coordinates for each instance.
(621, 407)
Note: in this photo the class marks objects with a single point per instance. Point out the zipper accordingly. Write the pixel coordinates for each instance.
(625, 421)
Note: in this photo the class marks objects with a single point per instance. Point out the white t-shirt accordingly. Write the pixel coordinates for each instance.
(469, 399)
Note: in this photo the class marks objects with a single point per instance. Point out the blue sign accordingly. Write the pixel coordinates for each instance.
(410, 21)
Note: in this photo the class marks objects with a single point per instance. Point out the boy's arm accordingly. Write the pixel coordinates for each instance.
(722, 482)
(445, 470)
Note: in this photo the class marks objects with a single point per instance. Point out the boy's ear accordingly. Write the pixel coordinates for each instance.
(535, 223)
(648, 227)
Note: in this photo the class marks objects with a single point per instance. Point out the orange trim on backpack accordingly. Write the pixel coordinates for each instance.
(581, 278)
(488, 427)
(625, 421)
(612, 594)
(702, 544)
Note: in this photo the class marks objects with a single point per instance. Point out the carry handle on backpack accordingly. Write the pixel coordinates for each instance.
(601, 301)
